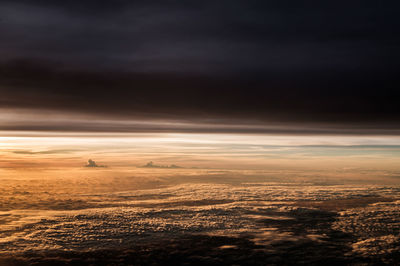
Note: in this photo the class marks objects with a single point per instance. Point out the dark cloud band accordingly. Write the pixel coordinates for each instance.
(327, 63)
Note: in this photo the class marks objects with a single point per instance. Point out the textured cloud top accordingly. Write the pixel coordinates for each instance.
(349, 222)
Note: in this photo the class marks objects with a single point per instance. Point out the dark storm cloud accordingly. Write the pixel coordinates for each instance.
(288, 62)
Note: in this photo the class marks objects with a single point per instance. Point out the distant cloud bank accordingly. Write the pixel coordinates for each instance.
(152, 165)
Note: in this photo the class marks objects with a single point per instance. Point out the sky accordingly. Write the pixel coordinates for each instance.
(328, 66)
(235, 131)
(213, 84)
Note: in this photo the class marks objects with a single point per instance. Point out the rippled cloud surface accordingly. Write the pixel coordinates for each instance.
(216, 224)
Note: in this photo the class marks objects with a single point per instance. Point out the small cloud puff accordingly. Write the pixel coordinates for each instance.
(92, 163)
